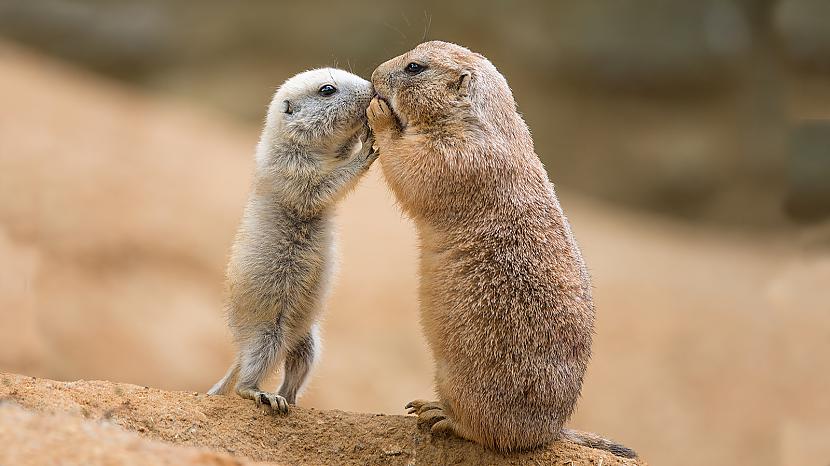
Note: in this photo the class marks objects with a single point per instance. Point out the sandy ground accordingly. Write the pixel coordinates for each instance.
(117, 210)
(56, 438)
(222, 426)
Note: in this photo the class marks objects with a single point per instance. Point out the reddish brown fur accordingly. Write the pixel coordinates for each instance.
(505, 297)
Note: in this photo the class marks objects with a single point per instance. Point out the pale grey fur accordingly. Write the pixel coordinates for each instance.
(313, 149)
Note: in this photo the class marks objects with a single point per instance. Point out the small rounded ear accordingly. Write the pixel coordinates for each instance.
(462, 85)
(287, 107)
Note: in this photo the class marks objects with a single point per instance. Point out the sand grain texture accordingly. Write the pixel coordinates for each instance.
(213, 428)
(36, 438)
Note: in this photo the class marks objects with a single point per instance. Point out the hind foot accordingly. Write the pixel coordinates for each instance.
(420, 406)
(432, 414)
(270, 402)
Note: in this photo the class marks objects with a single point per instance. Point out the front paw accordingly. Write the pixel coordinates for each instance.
(367, 154)
(380, 116)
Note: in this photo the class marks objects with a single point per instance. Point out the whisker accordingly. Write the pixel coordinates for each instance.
(396, 30)
(427, 25)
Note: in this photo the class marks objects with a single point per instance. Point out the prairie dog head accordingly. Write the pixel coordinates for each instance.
(321, 111)
(439, 80)
(463, 145)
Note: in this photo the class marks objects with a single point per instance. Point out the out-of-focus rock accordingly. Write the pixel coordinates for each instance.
(802, 26)
(648, 44)
(120, 38)
(808, 199)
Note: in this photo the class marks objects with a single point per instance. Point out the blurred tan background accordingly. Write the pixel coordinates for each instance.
(690, 143)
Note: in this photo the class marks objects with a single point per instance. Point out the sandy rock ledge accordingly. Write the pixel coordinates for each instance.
(97, 422)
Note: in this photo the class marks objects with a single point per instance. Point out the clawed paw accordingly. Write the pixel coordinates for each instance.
(430, 413)
(444, 427)
(420, 406)
(269, 402)
(272, 402)
(433, 415)
(380, 116)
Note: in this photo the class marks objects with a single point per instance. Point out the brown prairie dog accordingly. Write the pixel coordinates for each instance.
(506, 300)
(313, 149)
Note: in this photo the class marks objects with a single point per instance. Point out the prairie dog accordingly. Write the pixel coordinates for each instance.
(313, 149)
(506, 301)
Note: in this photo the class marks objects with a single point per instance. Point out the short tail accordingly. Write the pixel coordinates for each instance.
(595, 441)
(224, 385)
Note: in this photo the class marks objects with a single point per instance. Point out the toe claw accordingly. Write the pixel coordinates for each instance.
(431, 417)
(283, 403)
(416, 404)
(430, 407)
(421, 406)
(444, 426)
(270, 402)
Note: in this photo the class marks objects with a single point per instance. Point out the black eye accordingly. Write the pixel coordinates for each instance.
(414, 68)
(327, 90)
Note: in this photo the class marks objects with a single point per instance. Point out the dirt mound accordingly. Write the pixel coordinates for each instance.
(228, 425)
(61, 439)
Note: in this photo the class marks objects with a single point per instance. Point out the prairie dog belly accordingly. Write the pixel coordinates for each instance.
(283, 274)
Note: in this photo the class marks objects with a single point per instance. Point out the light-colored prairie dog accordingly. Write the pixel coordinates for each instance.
(313, 149)
(505, 296)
